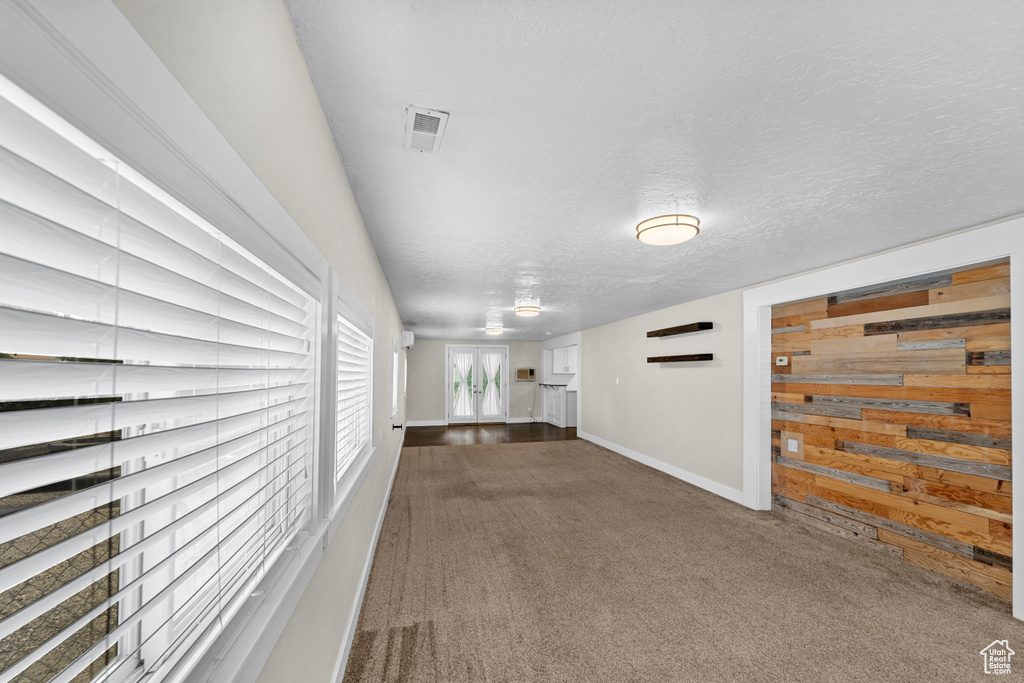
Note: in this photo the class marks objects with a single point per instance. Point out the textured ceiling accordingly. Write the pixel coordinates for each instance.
(801, 133)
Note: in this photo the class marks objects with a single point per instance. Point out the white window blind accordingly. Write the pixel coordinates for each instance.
(354, 362)
(156, 402)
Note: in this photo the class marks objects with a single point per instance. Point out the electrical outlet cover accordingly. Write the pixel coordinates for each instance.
(782, 360)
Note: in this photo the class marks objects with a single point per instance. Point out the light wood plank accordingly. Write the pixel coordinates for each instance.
(962, 507)
(995, 580)
(985, 484)
(940, 462)
(857, 425)
(1002, 537)
(960, 494)
(960, 424)
(969, 333)
(963, 381)
(951, 523)
(800, 308)
(779, 397)
(931, 310)
(990, 272)
(881, 343)
(807, 336)
(932, 361)
(856, 463)
(930, 407)
(994, 343)
(973, 290)
(988, 369)
(988, 411)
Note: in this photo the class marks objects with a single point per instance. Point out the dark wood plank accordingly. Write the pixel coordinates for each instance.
(940, 462)
(988, 358)
(960, 437)
(686, 358)
(937, 322)
(841, 475)
(848, 412)
(915, 284)
(681, 329)
(929, 407)
(865, 380)
(929, 537)
(882, 303)
(992, 558)
(826, 516)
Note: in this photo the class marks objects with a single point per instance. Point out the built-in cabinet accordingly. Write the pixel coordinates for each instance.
(563, 360)
(559, 406)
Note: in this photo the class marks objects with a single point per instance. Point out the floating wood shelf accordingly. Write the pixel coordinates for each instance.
(681, 359)
(681, 329)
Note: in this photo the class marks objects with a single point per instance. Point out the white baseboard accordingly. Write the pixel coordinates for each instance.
(339, 667)
(425, 423)
(518, 420)
(722, 490)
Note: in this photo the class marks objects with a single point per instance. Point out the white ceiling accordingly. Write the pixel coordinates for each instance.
(801, 133)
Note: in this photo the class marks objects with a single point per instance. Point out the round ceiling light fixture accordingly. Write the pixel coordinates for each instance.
(665, 230)
(494, 330)
(527, 311)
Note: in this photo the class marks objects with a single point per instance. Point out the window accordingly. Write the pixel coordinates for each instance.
(156, 412)
(355, 349)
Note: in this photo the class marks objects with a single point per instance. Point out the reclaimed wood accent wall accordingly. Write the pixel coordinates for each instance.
(891, 420)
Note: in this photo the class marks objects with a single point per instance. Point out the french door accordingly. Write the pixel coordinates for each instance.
(476, 384)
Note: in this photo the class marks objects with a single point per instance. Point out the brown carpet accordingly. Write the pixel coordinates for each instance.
(562, 561)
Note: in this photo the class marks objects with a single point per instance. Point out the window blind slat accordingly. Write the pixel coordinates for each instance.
(24, 427)
(33, 333)
(25, 380)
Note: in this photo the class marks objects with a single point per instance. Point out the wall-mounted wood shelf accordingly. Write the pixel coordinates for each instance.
(681, 329)
(689, 358)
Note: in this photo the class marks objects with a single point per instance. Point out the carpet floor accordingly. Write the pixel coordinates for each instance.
(562, 561)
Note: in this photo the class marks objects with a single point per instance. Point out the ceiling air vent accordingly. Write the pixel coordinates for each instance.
(424, 129)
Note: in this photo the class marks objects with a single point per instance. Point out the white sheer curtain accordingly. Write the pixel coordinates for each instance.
(462, 405)
(492, 382)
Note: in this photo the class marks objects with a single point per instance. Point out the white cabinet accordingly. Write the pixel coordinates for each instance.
(563, 360)
(559, 406)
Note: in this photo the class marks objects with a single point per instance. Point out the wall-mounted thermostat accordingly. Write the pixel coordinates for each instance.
(525, 375)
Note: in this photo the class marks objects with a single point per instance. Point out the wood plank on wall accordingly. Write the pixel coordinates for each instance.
(901, 396)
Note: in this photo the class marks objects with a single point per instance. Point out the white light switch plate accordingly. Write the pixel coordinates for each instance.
(782, 360)
(792, 445)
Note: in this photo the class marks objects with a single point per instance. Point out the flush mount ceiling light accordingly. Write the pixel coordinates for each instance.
(494, 330)
(527, 311)
(665, 230)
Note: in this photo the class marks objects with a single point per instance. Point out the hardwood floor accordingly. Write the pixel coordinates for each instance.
(467, 435)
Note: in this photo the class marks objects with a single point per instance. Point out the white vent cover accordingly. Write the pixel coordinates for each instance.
(424, 129)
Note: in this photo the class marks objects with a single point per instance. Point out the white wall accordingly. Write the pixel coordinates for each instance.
(241, 63)
(683, 418)
(426, 380)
